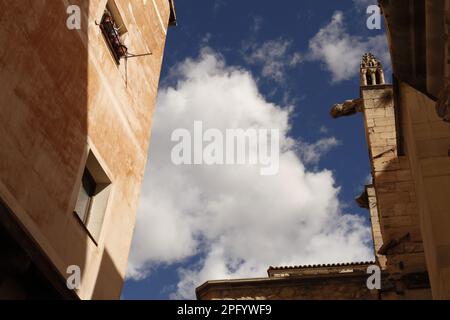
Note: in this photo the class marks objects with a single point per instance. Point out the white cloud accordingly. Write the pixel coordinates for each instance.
(275, 57)
(311, 153)
(238, 221)
(323, 129)
(341, 52)
(204, 41)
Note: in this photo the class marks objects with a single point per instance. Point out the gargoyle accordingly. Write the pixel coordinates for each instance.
(348, 108)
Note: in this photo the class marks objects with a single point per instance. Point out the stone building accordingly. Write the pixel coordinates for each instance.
(79, 83)
(408, 138)
(419, 44)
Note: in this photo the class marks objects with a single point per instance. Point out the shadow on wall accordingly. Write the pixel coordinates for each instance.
(43, 146)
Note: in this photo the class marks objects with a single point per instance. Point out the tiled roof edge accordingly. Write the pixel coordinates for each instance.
(323, 265)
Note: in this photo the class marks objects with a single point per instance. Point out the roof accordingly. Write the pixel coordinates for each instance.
(300, 276)
(317, 269)
(332, 265)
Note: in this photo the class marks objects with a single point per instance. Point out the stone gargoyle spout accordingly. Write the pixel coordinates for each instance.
(348, 108)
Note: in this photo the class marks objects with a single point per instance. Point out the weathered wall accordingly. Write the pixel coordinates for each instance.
(61, 94)
(377, 237)
(427, 142)
(395, 192)
(343, 284)
(318, 288)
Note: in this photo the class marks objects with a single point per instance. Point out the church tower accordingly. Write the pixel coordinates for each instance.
(391, 198)
(371, 71)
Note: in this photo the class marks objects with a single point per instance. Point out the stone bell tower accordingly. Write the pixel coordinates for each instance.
(371, 74)
(391, 198)
(371, 71)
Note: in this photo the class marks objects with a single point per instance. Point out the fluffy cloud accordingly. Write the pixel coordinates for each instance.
(311, 153)
(235, 220)
(274, 56)
(341, 52)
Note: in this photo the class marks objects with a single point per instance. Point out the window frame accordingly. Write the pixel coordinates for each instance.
(113, 30)
(93, 217)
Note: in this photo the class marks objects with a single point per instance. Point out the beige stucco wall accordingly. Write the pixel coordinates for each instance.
(427, 141)
(62, 94)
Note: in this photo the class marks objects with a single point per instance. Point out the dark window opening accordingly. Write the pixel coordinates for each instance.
(112, 31)
(93, 197)
(369, 79)
(85, 196)
(378, 78)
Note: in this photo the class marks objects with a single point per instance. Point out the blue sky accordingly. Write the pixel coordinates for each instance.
(303, 57)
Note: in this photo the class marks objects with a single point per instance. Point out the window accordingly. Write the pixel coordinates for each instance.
(114, 30)
(93, 197)
(85, 196)
(378, 77)
(369, 79)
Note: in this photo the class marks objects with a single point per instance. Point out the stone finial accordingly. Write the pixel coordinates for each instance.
(371, 71)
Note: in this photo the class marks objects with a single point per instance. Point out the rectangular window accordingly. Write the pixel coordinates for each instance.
(93, 197)
(114, 29)
(85, 196)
